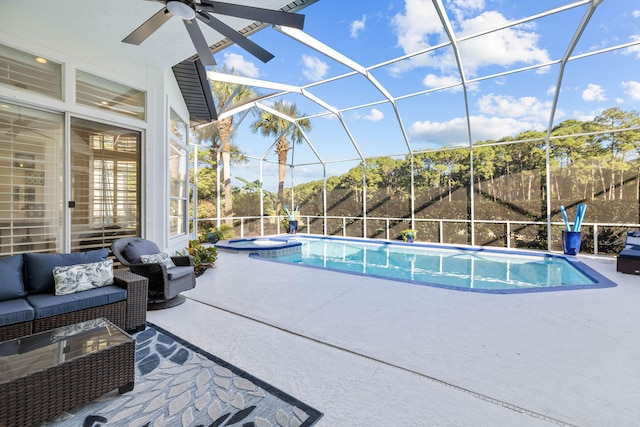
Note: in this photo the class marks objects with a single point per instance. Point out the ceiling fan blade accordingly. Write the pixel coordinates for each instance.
(277, 17)
(235, 37)
(141, 33)
(200, 43)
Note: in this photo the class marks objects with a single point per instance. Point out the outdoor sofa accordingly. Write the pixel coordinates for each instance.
(629, 258)
(29, 302)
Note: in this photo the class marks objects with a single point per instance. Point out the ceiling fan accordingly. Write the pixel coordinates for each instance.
(204, 10)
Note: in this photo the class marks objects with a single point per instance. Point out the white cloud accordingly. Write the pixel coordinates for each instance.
(633, 50)
(636, 13)
(419, 20)
(505, 47)
(499, 116)
(431, 81)
(508, 106)
(461, 8)
(374, 116)
(586, 116)
(469, 5)
(413, 28)
(357, 26)
(419, 28)
(593, 93)
(238, 63)
(632, 88)
(314, 68)
(454, 131)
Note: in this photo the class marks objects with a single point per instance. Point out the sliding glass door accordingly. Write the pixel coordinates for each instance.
(104, 199)
(104, 182)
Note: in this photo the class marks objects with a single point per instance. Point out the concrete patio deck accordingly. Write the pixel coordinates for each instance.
(374, 352)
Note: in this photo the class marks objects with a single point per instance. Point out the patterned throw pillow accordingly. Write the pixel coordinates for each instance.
(160, 258)
(82, 277)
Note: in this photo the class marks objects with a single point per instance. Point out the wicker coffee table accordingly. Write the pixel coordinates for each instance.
(44, 374)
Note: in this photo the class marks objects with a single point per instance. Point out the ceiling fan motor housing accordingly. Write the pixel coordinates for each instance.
(183, 9)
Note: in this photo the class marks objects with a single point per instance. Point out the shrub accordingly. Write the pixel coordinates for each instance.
(203, 256)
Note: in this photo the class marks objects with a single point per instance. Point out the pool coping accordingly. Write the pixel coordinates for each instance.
(600, 280)
(283, 243)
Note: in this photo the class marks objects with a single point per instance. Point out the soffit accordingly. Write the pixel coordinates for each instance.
(106, 23)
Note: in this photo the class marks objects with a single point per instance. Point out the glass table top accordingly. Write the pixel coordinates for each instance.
(22, 356)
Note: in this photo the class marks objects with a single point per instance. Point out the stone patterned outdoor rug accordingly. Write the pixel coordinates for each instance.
(178, 384)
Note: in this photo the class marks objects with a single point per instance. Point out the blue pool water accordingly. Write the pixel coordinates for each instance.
(464, 268)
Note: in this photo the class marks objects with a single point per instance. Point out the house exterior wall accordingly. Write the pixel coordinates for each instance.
(162, 94)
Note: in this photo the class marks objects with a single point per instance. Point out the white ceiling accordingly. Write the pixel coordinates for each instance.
(107, 22)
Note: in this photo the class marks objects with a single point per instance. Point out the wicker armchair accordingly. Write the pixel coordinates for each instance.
(165, 284)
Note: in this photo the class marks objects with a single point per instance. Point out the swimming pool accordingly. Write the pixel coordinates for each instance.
(461, 268)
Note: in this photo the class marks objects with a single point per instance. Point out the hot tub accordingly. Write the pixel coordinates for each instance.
(263, 246)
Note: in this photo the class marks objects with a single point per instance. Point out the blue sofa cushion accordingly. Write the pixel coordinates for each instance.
(178, 272)
(11, 285)
(15, 311)
(39, 267)
(633, 252)
(47, 305)
(138, 247)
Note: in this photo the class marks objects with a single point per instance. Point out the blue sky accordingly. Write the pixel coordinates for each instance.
(500, 103)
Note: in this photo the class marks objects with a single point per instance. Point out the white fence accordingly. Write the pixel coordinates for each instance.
(389, 229)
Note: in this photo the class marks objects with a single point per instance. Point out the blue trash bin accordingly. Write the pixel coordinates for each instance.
(571, 242)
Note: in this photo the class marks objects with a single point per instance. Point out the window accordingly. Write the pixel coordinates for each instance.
(29, 72)
(107, 95)
(30, 177)
(178, 190)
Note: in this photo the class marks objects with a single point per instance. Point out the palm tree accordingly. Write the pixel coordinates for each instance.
(228, 94)
(268, 124)
(208, 139)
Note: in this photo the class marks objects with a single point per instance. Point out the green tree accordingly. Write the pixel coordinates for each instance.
(530, 159)
(269, 124)
(567, 151)
(618, 144)
(208, 154)
(484, 168)
(226, 95)
(354, 180)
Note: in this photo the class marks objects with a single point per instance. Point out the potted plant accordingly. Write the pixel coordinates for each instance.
(214, 234)
(203, 256)
(409, 235)
(291, 216)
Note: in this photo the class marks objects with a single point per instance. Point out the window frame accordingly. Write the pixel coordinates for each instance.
(178, 179)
